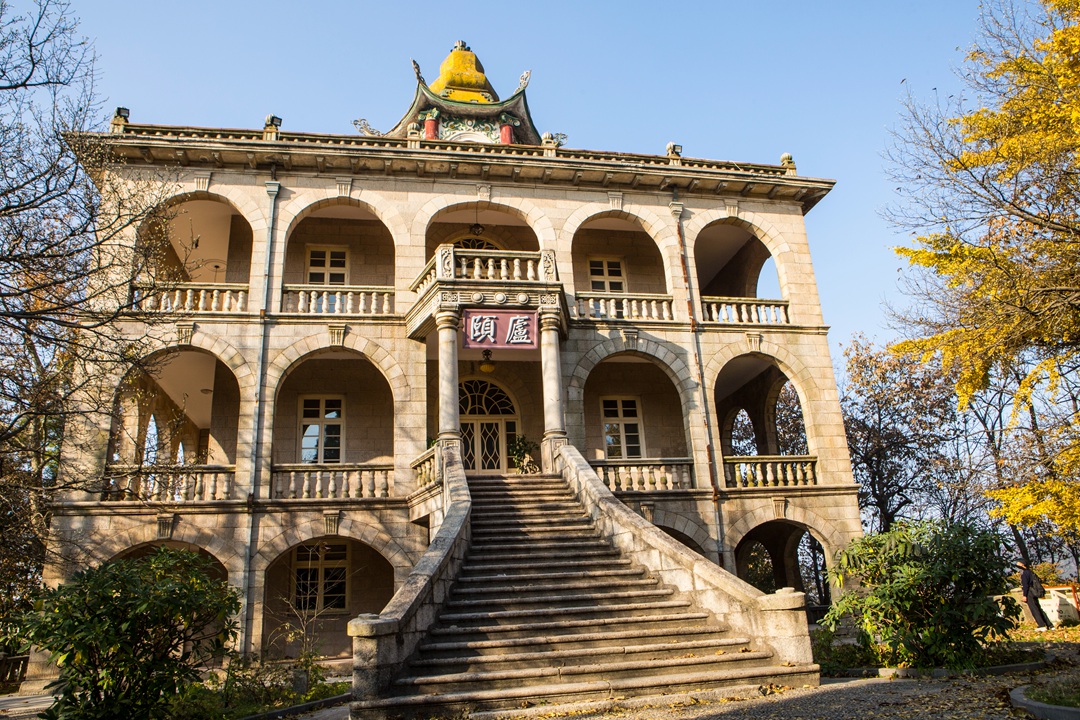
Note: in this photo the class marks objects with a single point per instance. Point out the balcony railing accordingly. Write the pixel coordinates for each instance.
(646, 474)
(426, 467)
(331, 481)
(202, 483)
(451, 263)
(770, 471)
(623, 306)
(744, 311)
(193, 298)
(338, 300)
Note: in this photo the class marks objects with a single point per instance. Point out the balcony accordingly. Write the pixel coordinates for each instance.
(329, 300)
(493, 277)
(200, 298)
(199, 483)
(744, 311)
(337, 481)
(636, 307)
(770, 471)
(646, 474)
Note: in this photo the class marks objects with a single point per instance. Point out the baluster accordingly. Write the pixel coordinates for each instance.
(770, 474)
(464, 267)
(306, 484)
(784, 314)
(504, 269)
(301, 302)
(293, 487)
(530, 269)
(649, 478)
(382, 485)
(386, 303)
(666, 306)
(685, 479)
(635, 477)
(800, 473)
(811, 472)
(367, 479)
(491, 269)
(241, 301)
(215, 298)
(350, 302)
(332, 487)
(517, 268)
(478, 269)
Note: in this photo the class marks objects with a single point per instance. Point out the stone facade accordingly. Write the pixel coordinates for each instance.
(317, 354)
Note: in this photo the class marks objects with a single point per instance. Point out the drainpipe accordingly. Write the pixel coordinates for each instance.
(247, 629)
(676, 209)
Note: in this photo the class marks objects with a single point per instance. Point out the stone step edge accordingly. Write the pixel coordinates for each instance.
(550, 557)
(592, 652)
(515, 585)
(612, 706)
(583, 609)
(557, 603)
(567, 624)
(630, 572)
(482, 676)
(582, 637)
(580, 688)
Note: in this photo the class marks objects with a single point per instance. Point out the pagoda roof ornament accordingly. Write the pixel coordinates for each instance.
(465, 105)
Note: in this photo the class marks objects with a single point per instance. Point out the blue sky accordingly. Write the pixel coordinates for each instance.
(742, 81)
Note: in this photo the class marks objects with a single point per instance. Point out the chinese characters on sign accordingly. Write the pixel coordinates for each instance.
(506, 329)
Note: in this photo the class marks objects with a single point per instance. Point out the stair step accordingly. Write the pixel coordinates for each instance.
(669, 620)
(574, 603)
(538, 586)
(716, 646)
(589, 640)
(471, 577)
(507, 697)
(595, 552)
(610, 611)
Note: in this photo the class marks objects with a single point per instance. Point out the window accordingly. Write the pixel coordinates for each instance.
(471, 242)
(622, 428)
(320, 572)
(322, 422)
(606, 275)
(327, 266)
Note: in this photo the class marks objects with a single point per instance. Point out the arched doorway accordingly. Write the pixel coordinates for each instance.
(489, 422)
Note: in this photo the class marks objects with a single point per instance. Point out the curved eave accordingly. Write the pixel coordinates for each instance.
(515, 105)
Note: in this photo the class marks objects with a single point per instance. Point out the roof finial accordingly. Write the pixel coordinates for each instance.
(416, 69)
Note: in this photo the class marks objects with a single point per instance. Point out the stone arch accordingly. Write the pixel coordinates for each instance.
(218, 545)
(514, 388)
(800, 377)
(231, 195)
(758, 225)
(519, 207)
(350, 526)
(661, 230)
(693, 528)
(376, 354)
(302, 206)
(659, 352)
(820, 527)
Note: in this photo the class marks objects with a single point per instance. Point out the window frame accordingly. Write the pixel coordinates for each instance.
(621, 420)
(321, 564)
(322, 421)
(606, 278)
(327, 268)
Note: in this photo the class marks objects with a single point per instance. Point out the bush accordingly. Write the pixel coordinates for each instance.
(921, 594)
(130, 634)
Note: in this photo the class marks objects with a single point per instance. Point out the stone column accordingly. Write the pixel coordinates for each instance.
(551, 370)
(447, 322)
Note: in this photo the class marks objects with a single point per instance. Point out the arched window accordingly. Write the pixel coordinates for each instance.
(471, 242)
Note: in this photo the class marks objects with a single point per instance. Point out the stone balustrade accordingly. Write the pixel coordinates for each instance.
(331, 481)
(452, 263)
(426, 468)
(744, 311)
(202, 483)
(770, 471)
(193, 298)
(623, 306)
(645, 475)
(337, 300)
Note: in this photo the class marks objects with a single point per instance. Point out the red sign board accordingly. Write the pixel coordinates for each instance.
(499, 329)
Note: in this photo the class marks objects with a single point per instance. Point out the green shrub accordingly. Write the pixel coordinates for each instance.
(921, 594)
(131, 634)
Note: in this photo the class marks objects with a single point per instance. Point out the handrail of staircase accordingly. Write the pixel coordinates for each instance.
(383, 642)
(780, 617)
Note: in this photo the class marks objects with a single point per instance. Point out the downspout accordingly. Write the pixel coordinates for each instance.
(272, 189)
(676, 209)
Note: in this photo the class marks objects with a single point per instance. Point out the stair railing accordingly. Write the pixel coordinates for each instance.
(777, 620)
(382, 643)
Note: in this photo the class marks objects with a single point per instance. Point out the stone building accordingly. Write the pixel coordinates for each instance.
(351, 305)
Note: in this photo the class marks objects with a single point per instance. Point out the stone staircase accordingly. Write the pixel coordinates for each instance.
(546, 611)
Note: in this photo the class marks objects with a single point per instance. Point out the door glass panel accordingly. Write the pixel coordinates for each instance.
(490, 455)
(468, 445)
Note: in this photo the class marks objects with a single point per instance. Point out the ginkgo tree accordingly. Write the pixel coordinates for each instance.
(990, 182)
